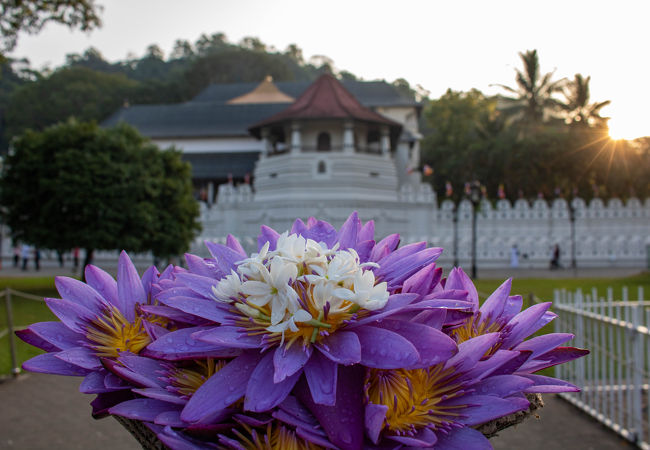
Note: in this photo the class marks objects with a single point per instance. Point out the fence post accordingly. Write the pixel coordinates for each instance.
(15, 370)
(637, 368)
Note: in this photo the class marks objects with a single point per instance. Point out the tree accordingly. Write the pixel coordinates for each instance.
(31, 15)
(70, 92)
(77, 185)
(577, 107)
(533, 102)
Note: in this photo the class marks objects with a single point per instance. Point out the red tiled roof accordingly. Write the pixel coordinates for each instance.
(326, 98)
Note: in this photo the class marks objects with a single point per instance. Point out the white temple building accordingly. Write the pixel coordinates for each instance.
(329, 148)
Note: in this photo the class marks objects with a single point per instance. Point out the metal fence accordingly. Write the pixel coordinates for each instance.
(9, 294)
(614, 377)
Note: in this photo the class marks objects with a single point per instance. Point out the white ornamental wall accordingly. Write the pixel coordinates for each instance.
(612, 234)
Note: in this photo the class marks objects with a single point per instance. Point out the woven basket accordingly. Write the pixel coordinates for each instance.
(149, 441)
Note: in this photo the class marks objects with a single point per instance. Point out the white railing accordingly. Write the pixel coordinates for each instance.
(615, 376)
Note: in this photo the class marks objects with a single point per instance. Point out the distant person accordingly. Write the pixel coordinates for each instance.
(514, 256)
(37, 258)
(75, 254)
(59, 255)
(555, 257)
(16, 256)
(25, 253)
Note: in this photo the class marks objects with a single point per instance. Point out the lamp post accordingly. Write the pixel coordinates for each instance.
(572, 219)
(475, 198)
(455, 219)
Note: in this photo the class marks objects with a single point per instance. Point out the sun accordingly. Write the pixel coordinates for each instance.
(627, 129)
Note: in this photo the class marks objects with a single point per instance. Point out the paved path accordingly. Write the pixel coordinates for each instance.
(47, 412)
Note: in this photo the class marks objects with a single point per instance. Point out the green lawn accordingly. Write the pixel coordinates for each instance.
(27, 311)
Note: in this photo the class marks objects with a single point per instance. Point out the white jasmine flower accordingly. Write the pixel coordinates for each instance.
(364, 292)
(228, 288)
(274, 287)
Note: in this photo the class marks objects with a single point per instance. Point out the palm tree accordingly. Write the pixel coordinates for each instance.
(577, 107)
(533, 102)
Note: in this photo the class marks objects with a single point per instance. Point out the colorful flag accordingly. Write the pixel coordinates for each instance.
(468, 189)
(449, 190)
(427, 170)
(501, 192)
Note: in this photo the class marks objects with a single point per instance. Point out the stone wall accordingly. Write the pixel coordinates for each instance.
(611, 234)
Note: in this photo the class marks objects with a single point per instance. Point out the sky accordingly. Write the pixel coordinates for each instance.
(459, 44)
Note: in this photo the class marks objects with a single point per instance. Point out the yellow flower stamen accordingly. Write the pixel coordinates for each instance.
(113, 334)
(414, 397)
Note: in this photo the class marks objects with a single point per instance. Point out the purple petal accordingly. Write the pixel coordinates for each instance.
(103, 283)
(321, 231)
(158, 393)
(496, 302)
(544, 343)
(73, 315)
(129, 287)
(458, 279)
(367, 232)
(470, 351)
(384, 349)
(424, 437)
(148, 368)
(347, 236)
(374, 420)
(463, 439)
(503, 362)
(228, 336)
(343, 423)
(33, 339)
(198, 284)
(556, 356)
(80, 356)
(173, 314)
(512, 308)
(233, 244)
(93, 383)
(395, 304)
(170, 289)
(222, 389)
(483, 408)
(321, 374)
(402, 253)
(198, 265)
(170, 418)
(49, 363)
(107, 400)
(288, 361)
(225, 257)
(384, 247)
(502, 385)
(149, 278)
(80, 293)
(267, 235)
(298, 227)
(420, 281)
(112, 382)
(363, 250)
(144, 409)
(57, 334)
(208, 309)
(524, 324)
(181, 345)
(342, 347)
(542, 385)
(315, 439)
(433, 345)
(396, 272)
(262, 393)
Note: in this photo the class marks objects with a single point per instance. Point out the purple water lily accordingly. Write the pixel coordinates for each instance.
(100, 319)
(437, 406)
(309, 301)
(502, 313)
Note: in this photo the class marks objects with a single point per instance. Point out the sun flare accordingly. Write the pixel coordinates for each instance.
(627, 129)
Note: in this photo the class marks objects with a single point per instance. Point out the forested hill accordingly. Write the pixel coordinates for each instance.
(90, 88)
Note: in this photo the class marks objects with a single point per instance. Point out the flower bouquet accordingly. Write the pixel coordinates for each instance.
(323, 338)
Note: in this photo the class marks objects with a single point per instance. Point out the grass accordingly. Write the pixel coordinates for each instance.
(543, 288)
(27, 311)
